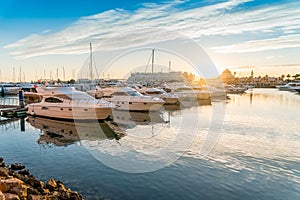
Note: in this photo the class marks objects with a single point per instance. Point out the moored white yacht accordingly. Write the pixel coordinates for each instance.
(186, 92)
(9, 89)
(289, 86)
(126, 98)
(67, 103)
(235, 89)
(216, 92)
(169, 98)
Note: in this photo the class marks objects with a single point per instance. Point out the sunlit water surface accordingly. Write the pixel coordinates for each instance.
(257, 154)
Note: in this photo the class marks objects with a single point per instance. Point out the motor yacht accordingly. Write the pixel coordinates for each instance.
(126, 98)
(31, 95)
(100, 92)
(231, 89)
(216, 92)
(289, 86)
(192, 93)
(68, 103)
(169, 98)
(9, 89)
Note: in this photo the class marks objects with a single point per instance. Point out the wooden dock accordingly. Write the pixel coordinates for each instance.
(9, 107)
(12, 111)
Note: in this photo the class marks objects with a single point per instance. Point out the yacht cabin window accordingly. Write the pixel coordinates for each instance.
(154, 92)
(53, 100)
(120, 94)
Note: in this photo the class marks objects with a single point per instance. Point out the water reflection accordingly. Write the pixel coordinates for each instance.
(62, 133)
(126, 120)
(257, 156)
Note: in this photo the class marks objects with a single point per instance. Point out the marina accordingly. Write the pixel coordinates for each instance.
(261, 158)
(150, 100)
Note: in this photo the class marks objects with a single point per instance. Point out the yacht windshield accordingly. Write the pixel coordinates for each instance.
(75, 96)
(134, 93)
(82, 97)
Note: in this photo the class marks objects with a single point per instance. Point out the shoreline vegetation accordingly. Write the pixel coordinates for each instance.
(16, 183)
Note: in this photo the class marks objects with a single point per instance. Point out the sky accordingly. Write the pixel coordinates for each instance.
(50, 38)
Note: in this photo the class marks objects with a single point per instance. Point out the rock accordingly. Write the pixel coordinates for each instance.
(4, 172)
(76, 196)
(16, 183)
(24, 172)
(65, 195)
(55, 194)
(37, 197)
(7, 184)
(20, 190)
(35, 183)
(17, 166)
(44, 191)
(9, 196)
(2, 197)
(51, 185)
(61, 187)
(33, 191)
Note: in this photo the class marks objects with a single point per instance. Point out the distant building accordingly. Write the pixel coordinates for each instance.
(159, 77)
(84, 80)
(227, 76)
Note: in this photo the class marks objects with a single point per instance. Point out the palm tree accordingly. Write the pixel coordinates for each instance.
(288, 76)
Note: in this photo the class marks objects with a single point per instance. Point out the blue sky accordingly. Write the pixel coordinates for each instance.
(242, 35)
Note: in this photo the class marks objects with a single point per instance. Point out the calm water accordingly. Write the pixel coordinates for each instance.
(256, 155)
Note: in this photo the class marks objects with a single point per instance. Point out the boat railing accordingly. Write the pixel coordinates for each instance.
(83, 101)
(9, 101)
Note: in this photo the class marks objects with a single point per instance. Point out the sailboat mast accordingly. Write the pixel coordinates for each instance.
(64, 73)
(152, 66)
(91, 62)
(20, 75)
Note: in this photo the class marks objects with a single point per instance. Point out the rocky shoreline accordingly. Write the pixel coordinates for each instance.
(16, 183)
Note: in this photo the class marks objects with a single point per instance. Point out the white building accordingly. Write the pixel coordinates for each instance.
(158, 77)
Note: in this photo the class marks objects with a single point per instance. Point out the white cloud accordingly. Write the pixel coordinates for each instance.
(289, 41)
(157, 22)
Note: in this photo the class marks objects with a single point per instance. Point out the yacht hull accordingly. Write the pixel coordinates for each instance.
(133, 105)
(138, 106)
(170, 100)
(69, 112)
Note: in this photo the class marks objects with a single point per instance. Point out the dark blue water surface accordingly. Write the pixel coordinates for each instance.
(257, 155)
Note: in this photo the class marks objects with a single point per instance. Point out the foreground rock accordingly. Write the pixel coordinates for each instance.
(16, 183)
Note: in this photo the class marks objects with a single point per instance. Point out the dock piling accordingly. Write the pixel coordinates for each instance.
(21, 98)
